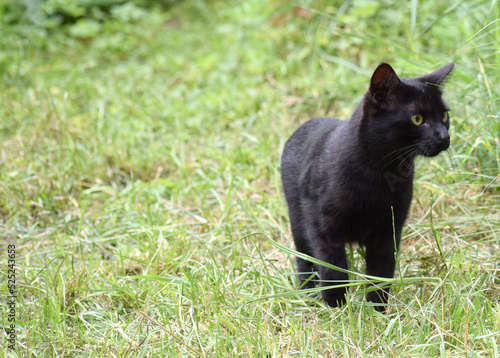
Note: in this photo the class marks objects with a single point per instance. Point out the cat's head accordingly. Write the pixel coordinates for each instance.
(408, 113)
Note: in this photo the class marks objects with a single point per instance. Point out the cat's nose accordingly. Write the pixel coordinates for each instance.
(443, 137)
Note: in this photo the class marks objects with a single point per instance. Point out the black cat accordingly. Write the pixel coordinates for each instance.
(352, 181)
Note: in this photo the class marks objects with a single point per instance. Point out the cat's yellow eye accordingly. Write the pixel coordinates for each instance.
(417, 119)
(446, 116)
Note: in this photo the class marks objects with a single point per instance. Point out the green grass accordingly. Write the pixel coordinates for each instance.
(140, 182)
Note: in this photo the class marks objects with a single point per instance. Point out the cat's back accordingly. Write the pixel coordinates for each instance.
(306, 142)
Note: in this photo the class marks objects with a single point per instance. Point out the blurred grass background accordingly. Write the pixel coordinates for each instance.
(139, 181)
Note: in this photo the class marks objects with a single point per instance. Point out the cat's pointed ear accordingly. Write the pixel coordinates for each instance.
(384, 81)
(437, 77)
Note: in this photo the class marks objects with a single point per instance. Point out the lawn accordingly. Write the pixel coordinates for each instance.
(140, 179)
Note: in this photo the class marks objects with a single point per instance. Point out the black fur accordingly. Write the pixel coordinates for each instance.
(352, 181)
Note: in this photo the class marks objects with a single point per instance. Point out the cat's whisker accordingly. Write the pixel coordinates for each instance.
(411, 154)
(401, 154)
(451, 153)
(396, 152)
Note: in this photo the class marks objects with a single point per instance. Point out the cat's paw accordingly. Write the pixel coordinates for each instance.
(335, 297)
(305, 284)
(379, 299)
(308, 280)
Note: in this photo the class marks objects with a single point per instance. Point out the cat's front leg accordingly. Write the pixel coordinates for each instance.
(307, 276)
(334, 254)
(381, 261)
